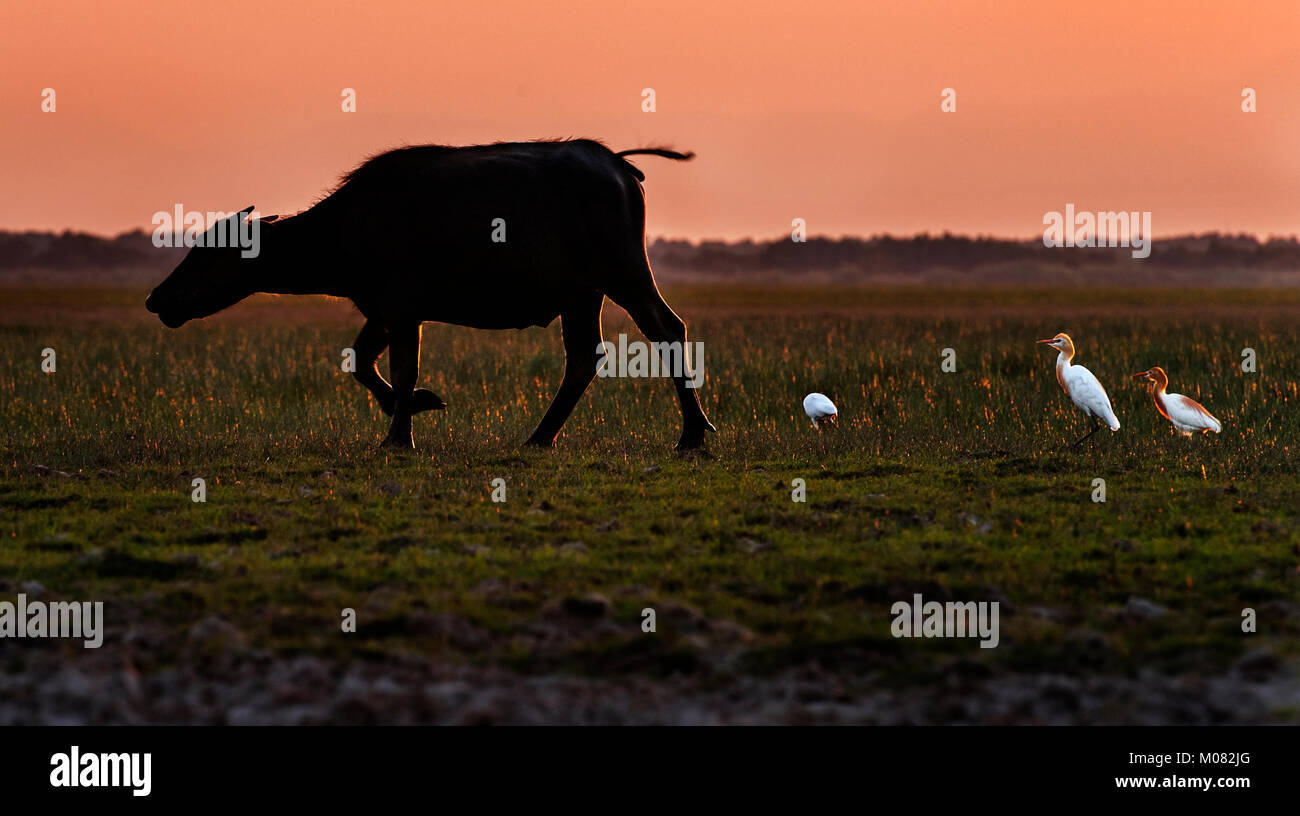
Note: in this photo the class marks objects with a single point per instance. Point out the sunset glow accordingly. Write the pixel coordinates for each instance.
(824, 111)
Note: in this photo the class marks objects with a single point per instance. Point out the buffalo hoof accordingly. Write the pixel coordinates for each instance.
(691, 441)
(398, 445)
(422, 400)
(539, 442)
(426, 400)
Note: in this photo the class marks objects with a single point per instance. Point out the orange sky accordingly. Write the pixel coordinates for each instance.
(824, 111)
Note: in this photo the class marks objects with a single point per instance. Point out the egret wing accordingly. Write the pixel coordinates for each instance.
(1087, 392)
(1190, 413)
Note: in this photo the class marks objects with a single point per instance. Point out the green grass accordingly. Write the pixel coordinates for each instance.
(957, 485)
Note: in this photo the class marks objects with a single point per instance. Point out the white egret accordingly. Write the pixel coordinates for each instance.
(1188, 415)
(1080, 385)
(817, 406)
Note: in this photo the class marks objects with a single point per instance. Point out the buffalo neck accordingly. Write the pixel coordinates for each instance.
(295, 261)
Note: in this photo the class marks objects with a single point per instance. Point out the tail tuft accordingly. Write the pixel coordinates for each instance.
(650, 151)
(662, 152)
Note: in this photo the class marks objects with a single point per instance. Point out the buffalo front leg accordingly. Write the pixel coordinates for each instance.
(404, 368)
(582, 341)
(368, 346)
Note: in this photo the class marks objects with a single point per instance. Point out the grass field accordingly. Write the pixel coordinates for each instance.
(960, 486)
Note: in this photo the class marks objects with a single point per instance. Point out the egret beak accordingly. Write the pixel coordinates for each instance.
(1146, 373)
(831, 419)
(1048, 342)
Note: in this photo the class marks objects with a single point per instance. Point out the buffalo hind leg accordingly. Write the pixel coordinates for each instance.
(661, 324)
(368, 346)
(404, 368)
(581, 328)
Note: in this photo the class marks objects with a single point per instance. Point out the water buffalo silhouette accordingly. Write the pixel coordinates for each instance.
(499, 236)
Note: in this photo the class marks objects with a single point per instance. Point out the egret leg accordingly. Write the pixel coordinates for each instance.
(1084, 438)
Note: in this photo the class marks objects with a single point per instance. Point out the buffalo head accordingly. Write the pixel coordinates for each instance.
(215, 274)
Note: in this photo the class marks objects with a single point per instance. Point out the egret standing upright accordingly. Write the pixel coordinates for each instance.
(1188, 415)
(1081, 386)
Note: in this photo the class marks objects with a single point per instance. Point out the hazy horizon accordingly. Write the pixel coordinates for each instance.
(759, 239)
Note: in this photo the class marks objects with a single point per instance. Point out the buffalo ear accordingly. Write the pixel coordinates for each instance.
(244, 212)
(266, 219)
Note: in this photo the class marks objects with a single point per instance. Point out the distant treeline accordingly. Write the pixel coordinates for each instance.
(887, 254)
(132, 254)
(80, 251)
